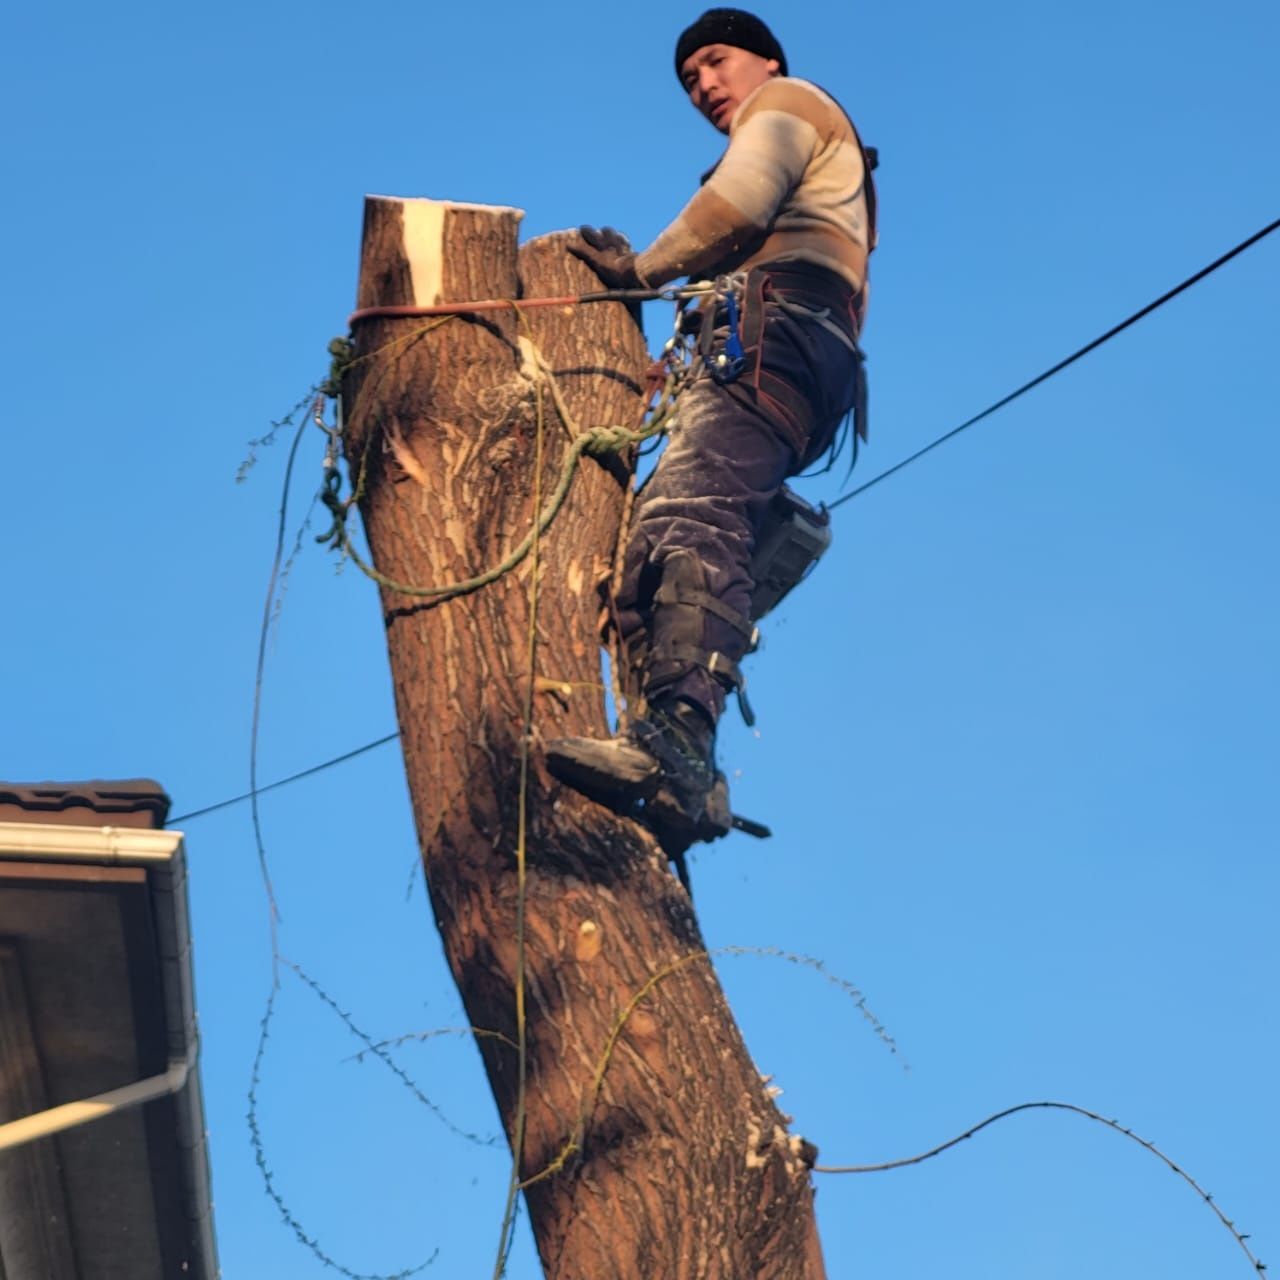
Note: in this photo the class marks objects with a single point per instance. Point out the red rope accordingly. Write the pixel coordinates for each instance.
(456, 308)
(503, 304)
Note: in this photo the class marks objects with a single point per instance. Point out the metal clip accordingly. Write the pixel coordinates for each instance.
(727, 364)
(729, 673)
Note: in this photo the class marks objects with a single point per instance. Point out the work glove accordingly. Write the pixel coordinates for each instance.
(608, 253)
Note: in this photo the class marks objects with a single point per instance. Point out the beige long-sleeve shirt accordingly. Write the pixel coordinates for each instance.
(790, 187)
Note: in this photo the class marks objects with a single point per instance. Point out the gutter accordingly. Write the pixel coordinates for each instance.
(70, 1115)
(162, 854)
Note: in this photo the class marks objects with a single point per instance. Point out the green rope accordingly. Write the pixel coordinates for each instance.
(342, 357)
(597, 442)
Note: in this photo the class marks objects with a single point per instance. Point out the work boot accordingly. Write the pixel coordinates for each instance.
(680, 816)
(663, 765)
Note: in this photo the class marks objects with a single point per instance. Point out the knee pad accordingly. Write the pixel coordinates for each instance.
(693, 629)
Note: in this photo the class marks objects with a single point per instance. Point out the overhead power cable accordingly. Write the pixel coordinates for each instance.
(284, 782)
(1062, 364)
(848, 497)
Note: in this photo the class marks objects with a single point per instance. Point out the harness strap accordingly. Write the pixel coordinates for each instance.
(822, 317)
(689, 632)
(677, 593)
(815, 296)
(719, 667)
(819, 316)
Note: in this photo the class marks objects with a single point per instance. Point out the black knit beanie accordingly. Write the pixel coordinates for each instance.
(734, 27)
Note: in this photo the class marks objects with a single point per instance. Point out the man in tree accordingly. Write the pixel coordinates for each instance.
(784, 224)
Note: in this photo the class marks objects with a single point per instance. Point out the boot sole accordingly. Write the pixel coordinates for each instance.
(618, 774)
(669, 818)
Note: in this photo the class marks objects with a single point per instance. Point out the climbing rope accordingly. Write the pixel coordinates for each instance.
(666, 379)
(680, 352)
(676, 365)
(506, 1236)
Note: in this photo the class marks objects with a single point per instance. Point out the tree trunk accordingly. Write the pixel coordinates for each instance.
(650, 1146)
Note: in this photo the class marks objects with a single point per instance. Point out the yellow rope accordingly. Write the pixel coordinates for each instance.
(618, 657)
(341, 367)
(575, 1139)
(596, 441)
(522, 832)
(574, 1142)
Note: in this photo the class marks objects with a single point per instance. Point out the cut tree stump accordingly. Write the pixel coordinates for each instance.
(664, 1157)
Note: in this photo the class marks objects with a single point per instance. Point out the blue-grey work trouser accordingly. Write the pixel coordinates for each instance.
(730, 450)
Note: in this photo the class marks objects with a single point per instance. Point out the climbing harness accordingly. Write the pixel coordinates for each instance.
(793, 535)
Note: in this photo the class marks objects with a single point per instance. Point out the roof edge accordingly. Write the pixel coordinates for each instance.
(134, 802)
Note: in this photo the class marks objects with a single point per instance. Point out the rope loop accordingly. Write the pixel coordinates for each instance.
(331, 496)
(599, 442)
(596, 442)
(342, 356)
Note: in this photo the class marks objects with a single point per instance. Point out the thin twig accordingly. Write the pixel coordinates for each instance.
(1114, 1125)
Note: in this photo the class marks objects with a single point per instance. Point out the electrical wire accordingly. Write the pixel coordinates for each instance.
(284, 782)
(1062, 364)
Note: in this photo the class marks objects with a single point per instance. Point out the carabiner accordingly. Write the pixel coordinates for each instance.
(727, 364)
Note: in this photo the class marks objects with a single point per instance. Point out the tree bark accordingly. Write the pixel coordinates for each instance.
(650, 1147)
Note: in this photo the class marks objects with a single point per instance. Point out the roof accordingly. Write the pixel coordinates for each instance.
(134, 802)
(96, 997)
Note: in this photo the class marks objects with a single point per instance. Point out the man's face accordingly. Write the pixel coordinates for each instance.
(718, 77)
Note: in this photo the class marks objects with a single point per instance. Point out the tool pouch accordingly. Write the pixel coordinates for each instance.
(791, 539)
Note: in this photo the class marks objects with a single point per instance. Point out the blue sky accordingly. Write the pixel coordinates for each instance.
(1017, 736)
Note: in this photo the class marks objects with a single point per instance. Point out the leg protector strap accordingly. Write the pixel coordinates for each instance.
(725, 671)
(693, 629)
(676, 592)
